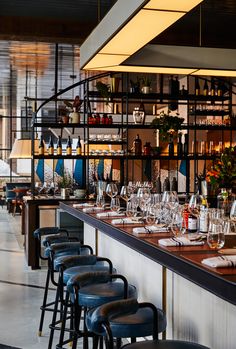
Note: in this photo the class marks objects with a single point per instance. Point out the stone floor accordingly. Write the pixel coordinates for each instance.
(21, 290)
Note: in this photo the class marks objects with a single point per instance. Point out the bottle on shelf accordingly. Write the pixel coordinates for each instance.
(197, 87)
(41, 146)
(171, 146)
(78, 147)
(147, 148)
(174, 184)
(158, 185)
(205, 88)
(203, 217)
(212, 91)
(59, 146)
(104, 119)
(166, 184)
(180, 145)
(185, 146)
(219, 90)
(90, 119)
(183, 91)
(110, 120)
(137, 145)
(69, 146)
(97, 118)
(50, 146)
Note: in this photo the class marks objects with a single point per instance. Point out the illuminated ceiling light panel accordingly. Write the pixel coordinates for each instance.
(172, 5)
(98, 60)
(129, 26)
(145, 26)
(139, 69)
(212, 72)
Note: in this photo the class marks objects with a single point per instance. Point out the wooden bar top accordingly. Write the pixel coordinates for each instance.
(183, 260)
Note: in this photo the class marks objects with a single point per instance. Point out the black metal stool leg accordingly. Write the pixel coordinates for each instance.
(54, 318)
(133, 340)
(44, 303)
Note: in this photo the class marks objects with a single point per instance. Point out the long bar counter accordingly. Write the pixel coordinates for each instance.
(185, 261)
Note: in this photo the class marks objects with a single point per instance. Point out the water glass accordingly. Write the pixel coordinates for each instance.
(100, 201)
(216, 236)
(131, 208)
(177, 223)
(115, 204)
(150, 214)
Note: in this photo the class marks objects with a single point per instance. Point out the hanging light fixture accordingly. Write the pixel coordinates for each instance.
(120, 42)
(22, 149)
(127, 27)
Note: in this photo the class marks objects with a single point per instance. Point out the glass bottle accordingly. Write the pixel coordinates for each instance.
(203, 217)
(50, 146)
(179, 145)
(104, 119)
(223, 201)
(147, 148)
(192, 221)
(205, 88)
(69, 146)
(78, 147)
(185, 147)
(212, 91)
(158, 185)
(171, 146)
(59, 146)
(110, 120)
(166, 184)
(174, 184)
(41, 146)
(137, 146)
(197, 87)
(219, 90)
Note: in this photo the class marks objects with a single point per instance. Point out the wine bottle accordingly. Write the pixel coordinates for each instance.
(185, 148)
(50, 146)
(69, 147)
(174, 184)
(59, 146)
(166, 184)
(41, 146)
(205, 88)
(197, 87)
(78, 147)
(212, 92)
(158, 185)
(137, 146)
(171, 146)
(180, 145)
(219, 89)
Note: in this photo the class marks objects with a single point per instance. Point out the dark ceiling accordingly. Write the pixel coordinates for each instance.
(71, 21)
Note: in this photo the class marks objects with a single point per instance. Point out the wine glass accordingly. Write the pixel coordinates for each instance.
(125, 193)
(216, 236)
(111, 190)
(170, 199)
(177, 223)
(130, 208)
(100, 201)
(144, 196)
(150, 214)
(115, 204)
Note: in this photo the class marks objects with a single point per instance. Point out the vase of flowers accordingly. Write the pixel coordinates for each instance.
(222, 172)
(167, 124)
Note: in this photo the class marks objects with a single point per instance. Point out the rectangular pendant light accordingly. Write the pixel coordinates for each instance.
(129, 26)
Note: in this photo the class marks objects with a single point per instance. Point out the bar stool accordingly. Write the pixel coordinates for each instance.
(90, 290)
(70, 266)
(128, 318)
(53, 235)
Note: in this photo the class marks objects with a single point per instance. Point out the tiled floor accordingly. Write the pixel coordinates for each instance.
(21, 290)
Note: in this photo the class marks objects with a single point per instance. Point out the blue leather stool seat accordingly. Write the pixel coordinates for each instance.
(55, 238)
(164, 344)
(139, 324)
(99, 266)
(97, 294)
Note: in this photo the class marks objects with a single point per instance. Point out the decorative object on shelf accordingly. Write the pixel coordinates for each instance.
(74, 109)
(115, 83)
(146, 84)
(65, 183)
(222, 173)
(134, 86)
(104, 90)
(138, 115)
(137, 146)
(167, 123)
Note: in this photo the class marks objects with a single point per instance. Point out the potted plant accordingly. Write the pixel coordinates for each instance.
(104, 90)
(65, 184)
(134, 86)
(167, 124)
(74, 109)
(146, 84)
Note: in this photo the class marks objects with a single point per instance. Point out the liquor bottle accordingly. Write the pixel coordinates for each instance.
(203, 217)
(180, 145)
(174, 184)
(59, 146)
(50, 146)
(110, 120)
(212, 91)
(205, 88)
(158, 185)
(219, 90)
(98, 118)
(104, 119)
(41, 146)
(78, 147)
(192, 220)
(90, 119)
(137, 146)
(197, 87)
(166, 184)
(171, 146)
(185, 215)
(185, 147)
(223, 201)
(69, 147)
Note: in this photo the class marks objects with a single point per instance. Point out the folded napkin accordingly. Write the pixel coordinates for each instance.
(125, 221)
(220, 262)
(85, 204)
(92, 209)
(179, 241)
(110, 214)
(150, 229)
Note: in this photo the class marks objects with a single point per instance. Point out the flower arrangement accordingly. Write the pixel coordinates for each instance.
(167, 125)
(223, 171)
(75, 106)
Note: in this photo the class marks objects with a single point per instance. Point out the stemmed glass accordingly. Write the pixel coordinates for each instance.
(111, 190)
(125, 194)
(144, 196)
(115, 204)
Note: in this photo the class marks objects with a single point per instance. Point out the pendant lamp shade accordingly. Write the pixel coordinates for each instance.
(22, 149)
